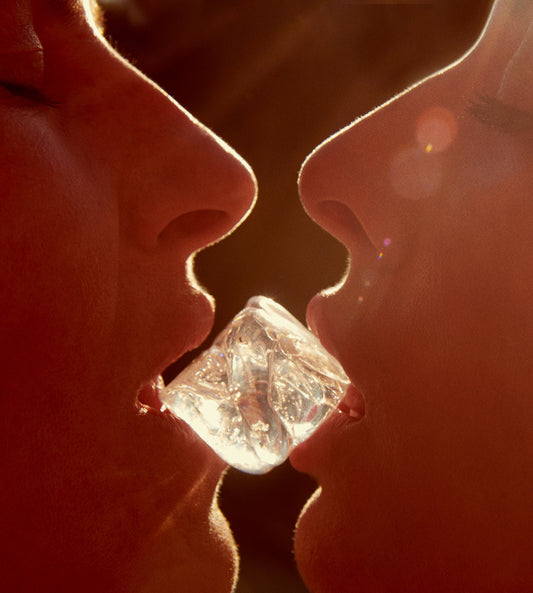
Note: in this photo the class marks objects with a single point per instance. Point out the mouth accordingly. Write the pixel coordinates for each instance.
(148, 395)
(182, 436)
(311, 455)
(353, 404)
(148, 402)
(186, 330)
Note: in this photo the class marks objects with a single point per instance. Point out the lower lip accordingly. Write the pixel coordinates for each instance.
(351, 410)
(201, 318)
(316, 452)
(150, 405)
(307, 456)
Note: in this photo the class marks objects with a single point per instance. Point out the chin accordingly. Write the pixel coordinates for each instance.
(196, 558)
(320, 564)
(226, 554)
(372, 552)
(334, 555)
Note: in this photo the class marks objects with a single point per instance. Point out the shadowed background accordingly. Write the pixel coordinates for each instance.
(274, 78)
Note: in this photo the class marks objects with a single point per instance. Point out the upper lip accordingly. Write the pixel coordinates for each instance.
(312, 323)
(200, 319)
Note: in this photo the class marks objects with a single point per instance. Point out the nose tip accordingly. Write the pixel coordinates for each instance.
(225, 195)
(189, 190)
(242, 196)
(329, 208)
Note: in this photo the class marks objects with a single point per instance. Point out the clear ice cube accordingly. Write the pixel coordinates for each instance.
(264, 386)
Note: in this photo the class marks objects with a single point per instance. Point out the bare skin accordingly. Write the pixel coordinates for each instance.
(108, 189)
(430, 491)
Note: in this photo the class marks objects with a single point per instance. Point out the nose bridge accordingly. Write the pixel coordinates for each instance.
(169, 167)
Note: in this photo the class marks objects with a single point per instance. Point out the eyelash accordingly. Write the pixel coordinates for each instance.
(496, 114)
(30, 93)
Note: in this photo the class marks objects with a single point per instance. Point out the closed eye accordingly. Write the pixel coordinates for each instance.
(497, 114)
(28, 92)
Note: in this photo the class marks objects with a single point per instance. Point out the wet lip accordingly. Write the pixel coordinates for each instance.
(202, 318)
(308, 457)
(315, 319)
(353, 403)
(148, 394)
(149, 404)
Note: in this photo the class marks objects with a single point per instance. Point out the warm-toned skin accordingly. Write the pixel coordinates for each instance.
(431, 490)
(108, 187)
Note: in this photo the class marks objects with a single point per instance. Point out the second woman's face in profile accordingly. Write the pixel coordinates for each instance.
(431, 194)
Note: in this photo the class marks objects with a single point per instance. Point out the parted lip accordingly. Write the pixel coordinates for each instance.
(316, 325)
(202, 320)
(308, 456)
(199, 321)
(148, 394)
(199, 317)
(353, 403)
(150, 406)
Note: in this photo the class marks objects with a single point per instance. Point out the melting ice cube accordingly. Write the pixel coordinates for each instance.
(264, 386)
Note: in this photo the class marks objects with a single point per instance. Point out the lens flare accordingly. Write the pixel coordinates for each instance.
(436, 129)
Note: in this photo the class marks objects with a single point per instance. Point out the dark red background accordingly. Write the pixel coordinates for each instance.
(274, 78)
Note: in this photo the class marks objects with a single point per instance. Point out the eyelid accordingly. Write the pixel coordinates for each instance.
(30, 93)
(497, 114)
(23, 67)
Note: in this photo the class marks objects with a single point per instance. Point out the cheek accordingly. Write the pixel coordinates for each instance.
(58, 249)
(462, 301)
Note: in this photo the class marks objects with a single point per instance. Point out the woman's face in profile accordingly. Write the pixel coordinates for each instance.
(431, 194)
(108, 188)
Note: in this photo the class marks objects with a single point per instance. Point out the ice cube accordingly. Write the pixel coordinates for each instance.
(264, 386)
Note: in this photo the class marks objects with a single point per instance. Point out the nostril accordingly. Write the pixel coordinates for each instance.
(342, 223)
(339, 217)
(196, 229)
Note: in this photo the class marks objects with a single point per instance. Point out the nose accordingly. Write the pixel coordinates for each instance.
(367, 184)
(179, 185)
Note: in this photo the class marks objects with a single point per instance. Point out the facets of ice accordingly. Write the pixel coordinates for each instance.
(264, 386)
